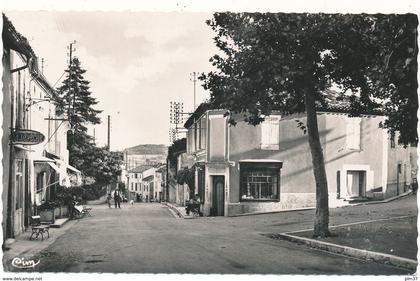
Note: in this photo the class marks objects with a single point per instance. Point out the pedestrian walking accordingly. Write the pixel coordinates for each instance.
(108, 200)
(117, 198)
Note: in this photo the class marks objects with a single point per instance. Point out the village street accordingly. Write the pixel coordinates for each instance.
(148, 238)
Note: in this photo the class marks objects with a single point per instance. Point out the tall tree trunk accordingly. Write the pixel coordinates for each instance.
(322, 212)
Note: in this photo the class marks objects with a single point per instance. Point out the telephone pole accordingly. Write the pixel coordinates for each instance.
(70, 48)
(109, 132)
(176, 117)
(194, 80)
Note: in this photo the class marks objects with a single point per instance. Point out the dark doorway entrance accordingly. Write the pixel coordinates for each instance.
(218, 202)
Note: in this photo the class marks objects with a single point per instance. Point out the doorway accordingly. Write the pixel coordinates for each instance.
(356, 183)
(218, 202)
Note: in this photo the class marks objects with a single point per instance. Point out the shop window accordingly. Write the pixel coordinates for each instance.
(40, 182)
(270, 133)
(259, 183)
(19, 183)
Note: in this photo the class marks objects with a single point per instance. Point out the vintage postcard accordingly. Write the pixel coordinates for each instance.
(255, 141)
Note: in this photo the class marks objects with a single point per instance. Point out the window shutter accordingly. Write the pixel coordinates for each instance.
(270, 134)
(349, 133)
(353, 133)
(265, 133)
(356, 129)
(274, 132)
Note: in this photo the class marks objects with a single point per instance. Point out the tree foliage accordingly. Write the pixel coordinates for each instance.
(289, 62)
(187, 176)
(267, 59)
(175, 149)
(101, 164)
(74, 99)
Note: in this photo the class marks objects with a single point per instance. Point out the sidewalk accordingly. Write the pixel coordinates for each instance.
(389, 241)
(352, 204)
(180, 212)
(22, 247)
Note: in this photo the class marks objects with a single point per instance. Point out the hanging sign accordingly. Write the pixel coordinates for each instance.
(27, 137)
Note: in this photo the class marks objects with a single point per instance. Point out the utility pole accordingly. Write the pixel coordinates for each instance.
(176, 108)
(70, 48)
(94, 136)
(109, 132)
(126, 160)
(194, 80)
(176, 118)
(42, 65)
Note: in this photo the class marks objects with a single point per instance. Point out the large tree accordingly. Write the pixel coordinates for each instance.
(74, 99)
(287, 62)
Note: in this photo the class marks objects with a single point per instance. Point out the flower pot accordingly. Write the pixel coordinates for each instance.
(47, 215)
(64, 211)
(57, 212)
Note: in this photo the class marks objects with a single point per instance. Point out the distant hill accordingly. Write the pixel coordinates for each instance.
(147, 149)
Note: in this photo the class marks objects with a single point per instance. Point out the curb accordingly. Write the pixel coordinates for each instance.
(174, 210)
(352, 252)
(272, 212)
(391, 198)
(177, 213)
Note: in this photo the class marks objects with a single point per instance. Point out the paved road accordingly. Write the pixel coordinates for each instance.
(147, 238)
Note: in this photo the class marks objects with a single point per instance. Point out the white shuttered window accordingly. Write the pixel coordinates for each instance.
(270, 133)
(353, 133)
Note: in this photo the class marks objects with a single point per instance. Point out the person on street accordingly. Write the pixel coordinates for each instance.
(108, 200)
(193, 205)
(414, 186)
(73, 207)
(117, 198)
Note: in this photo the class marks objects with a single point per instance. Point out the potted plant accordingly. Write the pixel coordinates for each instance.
(46, 211)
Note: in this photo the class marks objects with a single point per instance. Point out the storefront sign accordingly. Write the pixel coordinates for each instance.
(27, 137)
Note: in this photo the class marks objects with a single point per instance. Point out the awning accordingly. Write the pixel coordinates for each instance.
(71, 168)
(261, 160)
(43, 159)
(51, 164)
(260, 163)
(149, 178)
(23, 148)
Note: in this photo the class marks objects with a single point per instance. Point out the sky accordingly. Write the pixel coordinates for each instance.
(137, 63)
(139, 54)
